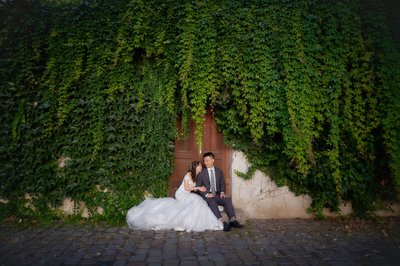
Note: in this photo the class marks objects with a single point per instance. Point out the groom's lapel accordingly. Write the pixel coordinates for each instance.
(217, 178)
(207, 179)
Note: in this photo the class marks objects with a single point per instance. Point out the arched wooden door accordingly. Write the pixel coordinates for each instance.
(186, 151)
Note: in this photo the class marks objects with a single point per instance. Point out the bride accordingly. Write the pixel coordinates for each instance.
(188, 211)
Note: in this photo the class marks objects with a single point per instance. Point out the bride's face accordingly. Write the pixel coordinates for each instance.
(198, 168)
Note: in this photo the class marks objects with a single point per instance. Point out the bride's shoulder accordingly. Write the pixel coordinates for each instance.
(187, 177)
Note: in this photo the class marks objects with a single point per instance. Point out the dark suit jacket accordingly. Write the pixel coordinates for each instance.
(203, 179)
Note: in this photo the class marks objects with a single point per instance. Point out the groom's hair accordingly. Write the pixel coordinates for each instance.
(209, 154)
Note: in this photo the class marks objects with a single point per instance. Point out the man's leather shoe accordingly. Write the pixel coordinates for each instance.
(226, 227)
(235, 224)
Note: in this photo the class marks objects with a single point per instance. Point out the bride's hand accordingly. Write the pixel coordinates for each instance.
(202, 189)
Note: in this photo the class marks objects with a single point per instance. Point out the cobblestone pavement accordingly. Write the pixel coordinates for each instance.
(262, 242)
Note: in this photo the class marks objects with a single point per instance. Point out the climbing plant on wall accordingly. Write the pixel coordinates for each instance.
(90, 93)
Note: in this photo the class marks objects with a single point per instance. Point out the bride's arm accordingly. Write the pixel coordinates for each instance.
(199, 183)
(186, 185)
(189, 188)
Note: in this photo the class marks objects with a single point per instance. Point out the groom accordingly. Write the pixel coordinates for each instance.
(213, 179)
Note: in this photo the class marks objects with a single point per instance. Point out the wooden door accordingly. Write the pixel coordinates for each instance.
(187, 151)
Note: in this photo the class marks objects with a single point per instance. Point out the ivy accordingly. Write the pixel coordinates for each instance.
(90, 93)
(19, 119)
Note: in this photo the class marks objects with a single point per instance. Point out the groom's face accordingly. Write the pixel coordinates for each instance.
(209, 161)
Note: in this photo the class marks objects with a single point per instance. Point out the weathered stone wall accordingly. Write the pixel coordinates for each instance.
(261, 198)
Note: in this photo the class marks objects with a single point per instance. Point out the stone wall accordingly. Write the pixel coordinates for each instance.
(261, 198)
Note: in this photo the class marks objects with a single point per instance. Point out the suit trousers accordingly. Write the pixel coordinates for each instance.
(217, 200)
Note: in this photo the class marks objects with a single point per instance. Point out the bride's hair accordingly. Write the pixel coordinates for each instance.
(192, 170)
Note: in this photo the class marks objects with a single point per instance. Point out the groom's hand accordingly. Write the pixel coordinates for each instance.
(223, 195)
(209, 195)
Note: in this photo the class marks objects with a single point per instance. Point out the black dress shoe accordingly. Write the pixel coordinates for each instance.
(226, 227)
(235, 224)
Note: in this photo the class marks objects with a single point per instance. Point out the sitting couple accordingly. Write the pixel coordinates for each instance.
(189, 211)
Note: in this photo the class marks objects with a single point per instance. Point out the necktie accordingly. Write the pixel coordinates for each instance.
(213, 189)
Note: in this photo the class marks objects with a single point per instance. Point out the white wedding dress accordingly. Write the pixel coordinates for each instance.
(187, 212)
